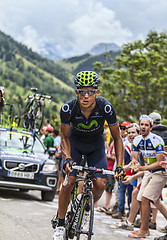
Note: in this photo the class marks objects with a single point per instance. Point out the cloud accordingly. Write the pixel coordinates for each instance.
(97, 24)
(75, 26)
(30, 38)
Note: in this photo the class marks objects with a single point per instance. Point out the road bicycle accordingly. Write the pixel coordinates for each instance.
(80, 213)
(11, 115)
(1, 103)
(34, 110)
(14, 117)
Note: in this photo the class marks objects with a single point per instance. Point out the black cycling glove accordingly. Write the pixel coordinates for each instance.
(68, 160)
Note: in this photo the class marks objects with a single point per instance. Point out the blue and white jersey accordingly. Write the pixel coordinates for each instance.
(149, 147)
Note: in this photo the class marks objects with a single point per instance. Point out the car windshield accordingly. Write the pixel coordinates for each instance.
(22, 142)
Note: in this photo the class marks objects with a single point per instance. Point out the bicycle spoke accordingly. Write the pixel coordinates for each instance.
(85, 223)
(39, 116)
(18, 116)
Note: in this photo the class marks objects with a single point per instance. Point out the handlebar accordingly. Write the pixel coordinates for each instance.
(87, 169)
(38, 97)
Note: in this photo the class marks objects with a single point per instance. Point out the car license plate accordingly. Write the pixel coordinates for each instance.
(21, 174)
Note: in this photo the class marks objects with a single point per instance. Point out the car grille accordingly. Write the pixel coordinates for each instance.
(21, 166)
(18, 180)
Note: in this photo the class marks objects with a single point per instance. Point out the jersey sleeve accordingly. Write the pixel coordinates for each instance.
(65, 112)
(136, 141)
(159, 145)
(109, 113)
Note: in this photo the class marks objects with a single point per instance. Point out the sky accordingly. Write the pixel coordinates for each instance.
(75, 26)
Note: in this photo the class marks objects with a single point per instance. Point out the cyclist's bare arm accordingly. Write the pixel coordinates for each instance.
(65, 141)
(118, 143)
(65, 145)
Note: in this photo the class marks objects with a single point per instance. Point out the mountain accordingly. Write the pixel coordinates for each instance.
(21, 69)
(104, 47)
(54, 52)
(87, 61)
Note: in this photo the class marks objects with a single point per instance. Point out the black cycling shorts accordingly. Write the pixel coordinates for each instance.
(94, 150)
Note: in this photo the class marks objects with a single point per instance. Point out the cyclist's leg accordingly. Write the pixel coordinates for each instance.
(64, 197)
(97, 158)
(65, 192)
(98, 188)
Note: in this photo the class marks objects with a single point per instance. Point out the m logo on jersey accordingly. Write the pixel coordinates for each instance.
(81, 125)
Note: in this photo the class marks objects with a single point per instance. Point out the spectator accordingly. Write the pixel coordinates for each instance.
(128, 223)
(48, 125)
(123, 132)
(151, 146)
(159, 204)
(42, 133)
(49, 140)
(132, 132)
(110, 155)
(59, 160)
(123, 129)
(57, 140)
(158, 128)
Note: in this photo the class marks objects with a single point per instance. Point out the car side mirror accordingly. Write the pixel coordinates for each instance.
(51, 151)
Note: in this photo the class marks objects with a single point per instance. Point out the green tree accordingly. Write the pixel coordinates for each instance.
(136, 82)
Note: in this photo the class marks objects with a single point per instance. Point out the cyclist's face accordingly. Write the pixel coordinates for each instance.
(86, 95)
(145, 127)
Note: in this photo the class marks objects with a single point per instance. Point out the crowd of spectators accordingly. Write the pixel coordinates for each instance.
(145, 176)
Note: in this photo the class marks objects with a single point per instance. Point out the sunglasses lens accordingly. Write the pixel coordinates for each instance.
(89, 92)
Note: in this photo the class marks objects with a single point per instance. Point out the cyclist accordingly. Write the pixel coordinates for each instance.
(82, 126)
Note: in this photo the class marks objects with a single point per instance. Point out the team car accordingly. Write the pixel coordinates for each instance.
(25, 164)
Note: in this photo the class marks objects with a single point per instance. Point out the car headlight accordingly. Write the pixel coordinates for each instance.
(49, 167)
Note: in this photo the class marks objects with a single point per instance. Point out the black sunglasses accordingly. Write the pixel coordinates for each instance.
(89, 92)
(123, 128)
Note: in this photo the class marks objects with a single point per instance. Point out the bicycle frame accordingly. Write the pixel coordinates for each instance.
(34, 110)
(74, 220)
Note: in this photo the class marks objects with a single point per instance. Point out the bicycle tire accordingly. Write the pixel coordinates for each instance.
(38, 116)
(69, 232)
(18, 116)
(11, 115)
(86, 218)
(26, 115)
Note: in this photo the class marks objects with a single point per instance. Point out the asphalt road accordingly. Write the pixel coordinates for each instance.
(23, 216)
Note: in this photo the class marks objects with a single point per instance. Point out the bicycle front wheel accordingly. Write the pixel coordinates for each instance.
(39, 115)
(86, 217)
(18, 116)
(26, 116)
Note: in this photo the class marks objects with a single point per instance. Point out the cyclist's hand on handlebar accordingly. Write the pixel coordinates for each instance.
(120, 173)
(68, 163)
